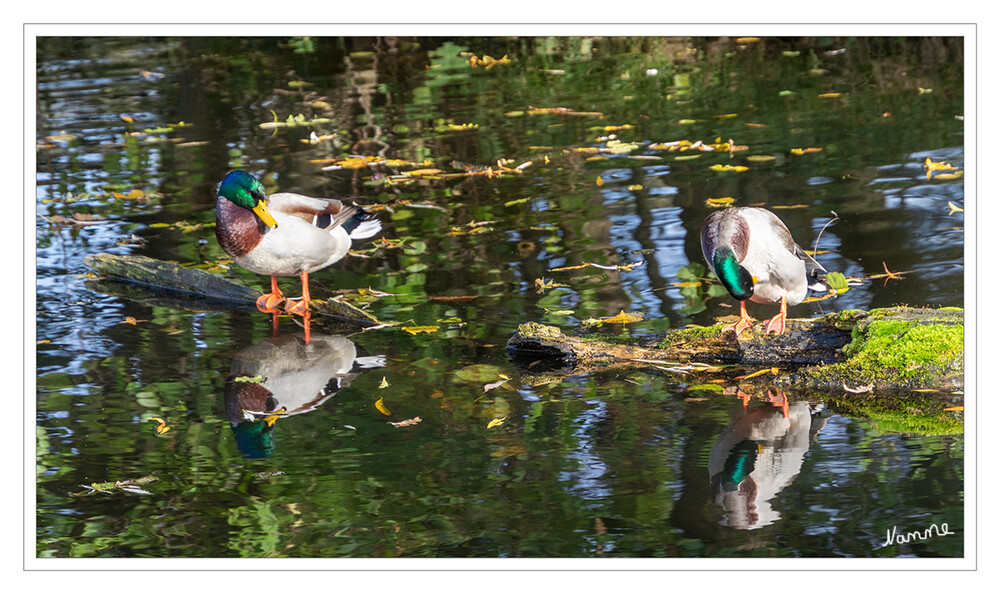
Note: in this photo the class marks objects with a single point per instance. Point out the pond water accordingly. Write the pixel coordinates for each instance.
(393, 446)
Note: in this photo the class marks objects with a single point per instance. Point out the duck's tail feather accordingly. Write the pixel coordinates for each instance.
(358, 223)
(362, 225)
(817, 282)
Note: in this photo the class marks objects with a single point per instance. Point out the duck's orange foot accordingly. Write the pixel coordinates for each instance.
(776, 325)
(269, 302)
(739, 326)
(297, 307)
(742, 324)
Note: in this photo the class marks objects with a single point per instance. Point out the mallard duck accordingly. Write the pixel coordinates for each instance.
(285, 234)
(754, 256)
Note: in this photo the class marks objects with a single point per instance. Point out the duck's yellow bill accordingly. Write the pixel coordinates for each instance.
(261, 210)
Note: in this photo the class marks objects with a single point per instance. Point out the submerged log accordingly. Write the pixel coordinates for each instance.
(892, 348)
(171, 281)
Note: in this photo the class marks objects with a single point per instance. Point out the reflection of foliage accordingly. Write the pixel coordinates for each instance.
(620, 457)
(696, 288)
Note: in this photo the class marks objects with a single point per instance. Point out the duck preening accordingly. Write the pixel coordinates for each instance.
(753, 255)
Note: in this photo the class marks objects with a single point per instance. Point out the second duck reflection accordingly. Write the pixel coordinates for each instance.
(758, 455)
(284, 376)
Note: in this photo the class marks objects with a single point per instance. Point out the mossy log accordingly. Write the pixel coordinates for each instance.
(892, 348)
(169, 280)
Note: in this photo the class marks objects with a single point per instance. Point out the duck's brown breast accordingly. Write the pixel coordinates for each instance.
(238, 230)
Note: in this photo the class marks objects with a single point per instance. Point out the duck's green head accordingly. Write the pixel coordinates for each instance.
(245, 190)
(736, 279)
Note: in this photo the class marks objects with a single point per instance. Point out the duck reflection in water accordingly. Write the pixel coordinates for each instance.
(284, 376)
(757, 456)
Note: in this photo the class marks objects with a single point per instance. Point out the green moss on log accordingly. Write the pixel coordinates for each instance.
(902, 348)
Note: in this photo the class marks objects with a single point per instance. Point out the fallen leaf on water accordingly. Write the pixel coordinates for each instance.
(162, 427)
(717, 202)
(406, 423)
(489, 387)
(932, 166)
(541, 284)
(737, 168)
(837, 282)
(829, 95)
(802, 151)
(384, 384)
(621, 318)
(955, 409)
(772, 371)
(495, 423)
(131, 320)
(381, 407)
(419, 329)
(923, 91)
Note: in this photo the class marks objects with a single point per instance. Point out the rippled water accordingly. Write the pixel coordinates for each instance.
(623, 463)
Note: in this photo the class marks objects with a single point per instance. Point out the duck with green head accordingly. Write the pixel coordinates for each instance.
(285, 234)
(753, 255)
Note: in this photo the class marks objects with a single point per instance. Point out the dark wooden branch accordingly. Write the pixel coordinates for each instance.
(169, 280)
(894, 348)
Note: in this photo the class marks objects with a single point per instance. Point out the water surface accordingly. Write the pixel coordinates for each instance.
(629, 463)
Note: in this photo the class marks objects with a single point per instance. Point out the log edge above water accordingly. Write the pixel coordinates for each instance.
(890, 348)
(162, 275)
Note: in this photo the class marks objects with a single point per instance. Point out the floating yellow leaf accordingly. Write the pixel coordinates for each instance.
(790, 206)
(737, 168)
(621, 318)
(717, 202)
(829, 95)
(687, 284)
(422, 172)
(419, 329)
(600, 181)
(760, 158)
(955, 409)
(162, 427)
(952, 209)
(772, 371)
(406, 423)
(381, 407)
(922, 91)
(495, 423)
(384, 384)
(802, 151)
(541, 284)
(932, 166)
(747, 39)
